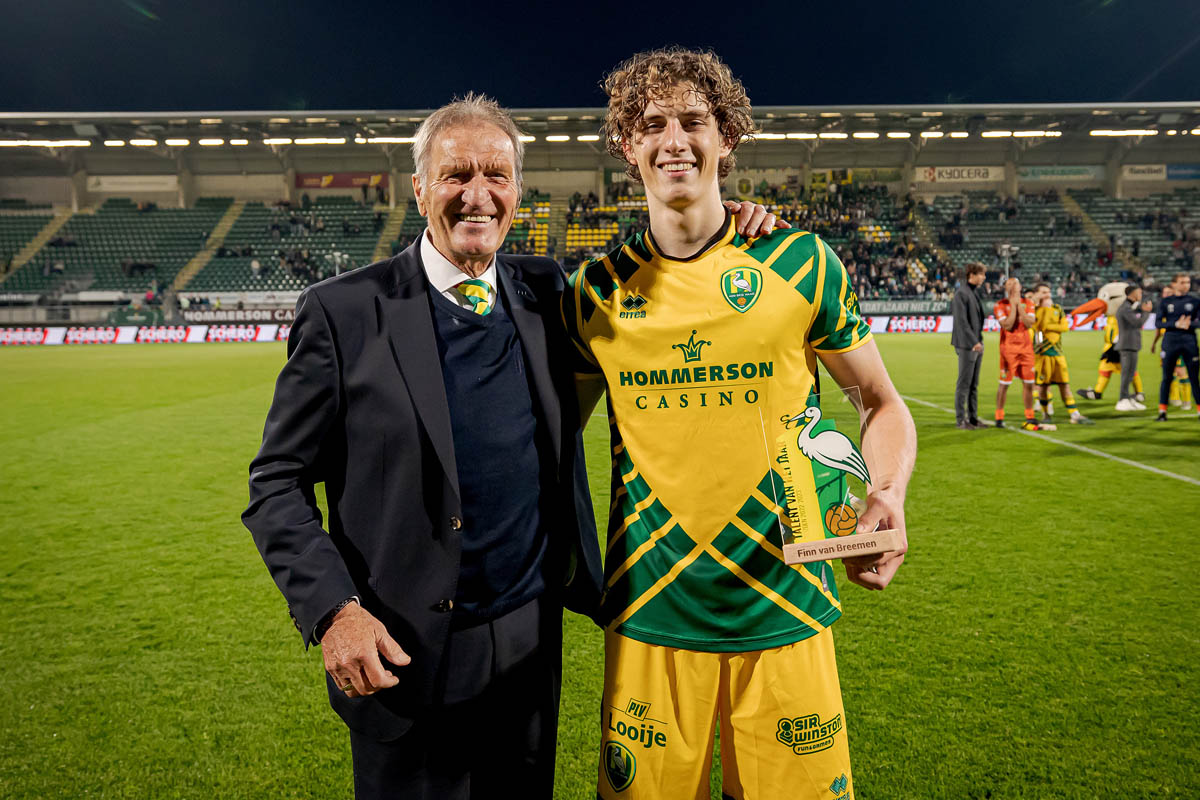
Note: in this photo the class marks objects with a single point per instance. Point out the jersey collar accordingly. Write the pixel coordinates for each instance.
(723, 236)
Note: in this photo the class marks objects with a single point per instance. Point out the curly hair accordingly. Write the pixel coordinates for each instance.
(657, 74)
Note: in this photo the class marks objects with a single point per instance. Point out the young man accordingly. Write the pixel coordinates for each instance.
(1180, 394)
(967, 339)
(703, 339)
(1179, 316)
(1131, 316)
(1050, 365)
(1016, 316)
(1110, 297)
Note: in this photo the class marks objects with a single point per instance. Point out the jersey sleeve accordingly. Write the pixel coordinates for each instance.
(1000, 311)
(838, 325)
(577, 309)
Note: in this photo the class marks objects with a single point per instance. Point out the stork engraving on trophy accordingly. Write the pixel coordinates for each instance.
(815, 460)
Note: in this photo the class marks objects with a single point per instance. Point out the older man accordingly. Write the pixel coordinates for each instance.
(428, 393)
(433, 396)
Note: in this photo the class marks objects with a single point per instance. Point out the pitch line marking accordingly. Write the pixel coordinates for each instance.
(1072, 445)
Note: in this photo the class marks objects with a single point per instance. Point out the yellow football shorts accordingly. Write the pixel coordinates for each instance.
(1051, 369)
(783, 728)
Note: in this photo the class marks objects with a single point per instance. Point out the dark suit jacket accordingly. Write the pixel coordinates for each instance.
(361, 406)
(967, 312)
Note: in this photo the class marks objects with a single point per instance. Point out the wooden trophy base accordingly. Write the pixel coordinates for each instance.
(858, 544)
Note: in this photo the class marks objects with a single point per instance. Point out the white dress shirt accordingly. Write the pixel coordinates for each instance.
(444, 276)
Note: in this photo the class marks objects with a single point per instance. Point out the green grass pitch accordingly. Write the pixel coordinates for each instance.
(1041, 640)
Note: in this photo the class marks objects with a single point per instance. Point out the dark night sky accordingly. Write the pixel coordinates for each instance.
(128, 55)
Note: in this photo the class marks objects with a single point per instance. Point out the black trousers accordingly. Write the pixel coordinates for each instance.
(966, 388)
(1175, 345)
(494, 732)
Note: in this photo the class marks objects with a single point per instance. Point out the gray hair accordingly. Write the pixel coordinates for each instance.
(471, 108)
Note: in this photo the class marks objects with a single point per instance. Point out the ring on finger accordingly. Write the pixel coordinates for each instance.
(874, 570)
(347, 687)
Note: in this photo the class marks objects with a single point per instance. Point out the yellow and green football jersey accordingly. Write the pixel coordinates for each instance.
(1050, 322)
(701, 359)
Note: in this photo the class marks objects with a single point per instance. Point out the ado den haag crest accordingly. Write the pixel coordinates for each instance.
(741, 287)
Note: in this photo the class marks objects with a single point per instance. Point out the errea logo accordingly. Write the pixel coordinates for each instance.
(632, 303)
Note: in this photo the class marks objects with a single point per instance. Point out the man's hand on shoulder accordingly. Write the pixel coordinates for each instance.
(351, 649)
(885, 510)
(753, 219)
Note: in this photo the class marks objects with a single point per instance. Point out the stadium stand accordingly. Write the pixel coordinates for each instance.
(1158, 235)
(893, 247)
(16, 231)
(292, 247)
(530, 232)
(122, 246)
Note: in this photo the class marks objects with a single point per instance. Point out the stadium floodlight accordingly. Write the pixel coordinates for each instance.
(899, 134)
(558, 137)
(278, 140)
(359, 140)
(770, 137)
(211, 121)
(177, 142)
(239, 142)
(144, 142)
(211, 142)
(1171, 133)
(45, 143)
(996, 134)
(1130, 132)
(866, 135)
(114, 142)
(932, 134)
(587, 137)
(801, 135)
(391, 140)
(1195, 131)
(280, 119)
(527, 138)
(319, 140)
(832, 135)
(959, 134)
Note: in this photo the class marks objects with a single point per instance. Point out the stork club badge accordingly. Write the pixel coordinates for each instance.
(815, 461)
(741, 287)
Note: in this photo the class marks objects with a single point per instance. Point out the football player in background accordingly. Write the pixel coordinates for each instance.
(1016, 317)
(1050, 362)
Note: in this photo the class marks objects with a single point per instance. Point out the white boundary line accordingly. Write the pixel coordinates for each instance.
(1072, 445)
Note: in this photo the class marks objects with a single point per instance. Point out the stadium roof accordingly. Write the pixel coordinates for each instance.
(260, 141)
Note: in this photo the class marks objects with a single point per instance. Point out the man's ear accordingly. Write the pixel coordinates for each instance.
(726, 149)
(416, 182)
(628, 151)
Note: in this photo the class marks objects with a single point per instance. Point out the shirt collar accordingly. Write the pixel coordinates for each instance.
(442, 273)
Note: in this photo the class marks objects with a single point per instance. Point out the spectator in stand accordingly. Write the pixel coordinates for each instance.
(255, 268)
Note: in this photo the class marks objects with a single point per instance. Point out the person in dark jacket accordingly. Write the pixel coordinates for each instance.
(967, 338)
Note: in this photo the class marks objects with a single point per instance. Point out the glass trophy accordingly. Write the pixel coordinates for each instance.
(822, 480)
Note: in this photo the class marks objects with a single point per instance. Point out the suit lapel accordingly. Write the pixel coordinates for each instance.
(523, 307)
(405, 314)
